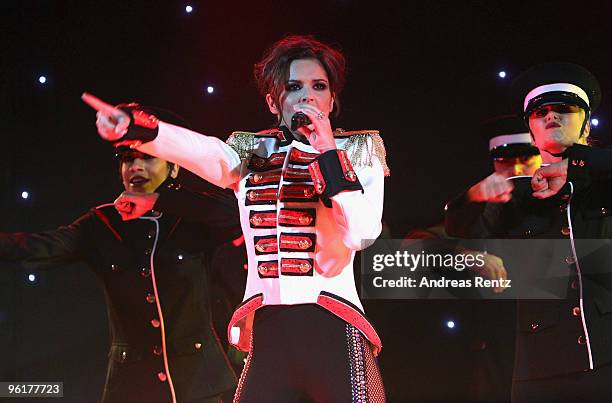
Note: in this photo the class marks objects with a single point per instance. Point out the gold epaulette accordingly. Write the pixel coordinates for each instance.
(357, 142)
(244, 142)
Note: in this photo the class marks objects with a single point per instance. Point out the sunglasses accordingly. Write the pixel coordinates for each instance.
(557, 108)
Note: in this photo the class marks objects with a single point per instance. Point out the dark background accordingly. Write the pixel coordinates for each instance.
(424, 74)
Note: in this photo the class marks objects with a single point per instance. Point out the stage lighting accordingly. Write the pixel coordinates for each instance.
(450, 324)
(502, 74)
(25, 195)
(595, 122)
(42, 79)
(31, 278)
(210, 89)
(188, 9)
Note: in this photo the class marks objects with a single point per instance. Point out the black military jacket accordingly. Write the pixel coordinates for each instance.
(154, 271)
(574, 333)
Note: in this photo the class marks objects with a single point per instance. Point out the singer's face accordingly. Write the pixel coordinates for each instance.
(307, 83)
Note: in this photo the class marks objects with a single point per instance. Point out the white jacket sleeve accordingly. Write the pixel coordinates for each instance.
(206, 156)
(359, 215)
(351, 182)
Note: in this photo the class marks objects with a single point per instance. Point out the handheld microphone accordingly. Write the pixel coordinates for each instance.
(298, 120)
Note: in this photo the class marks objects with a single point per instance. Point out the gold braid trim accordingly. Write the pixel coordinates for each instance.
(358, 141)
(243, 143)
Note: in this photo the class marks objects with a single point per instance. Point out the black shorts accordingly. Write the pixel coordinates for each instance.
(305, 353)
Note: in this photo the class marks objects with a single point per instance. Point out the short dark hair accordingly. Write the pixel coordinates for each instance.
(272, 71)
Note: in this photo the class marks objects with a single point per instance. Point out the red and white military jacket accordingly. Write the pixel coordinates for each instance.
(303, 214)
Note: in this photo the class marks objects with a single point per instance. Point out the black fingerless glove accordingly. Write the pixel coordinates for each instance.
(143, 125)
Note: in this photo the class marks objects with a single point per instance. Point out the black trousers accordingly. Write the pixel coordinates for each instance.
(305, 353)
(584, 387)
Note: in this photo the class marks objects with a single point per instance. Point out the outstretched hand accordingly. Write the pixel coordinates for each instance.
(112, 123)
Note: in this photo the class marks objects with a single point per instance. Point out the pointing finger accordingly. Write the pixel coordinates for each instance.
(96, 103)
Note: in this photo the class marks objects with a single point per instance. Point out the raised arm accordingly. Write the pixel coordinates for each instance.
(206, 156)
